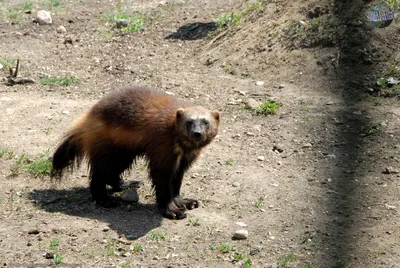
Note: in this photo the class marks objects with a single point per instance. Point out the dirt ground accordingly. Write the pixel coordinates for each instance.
(315, 185)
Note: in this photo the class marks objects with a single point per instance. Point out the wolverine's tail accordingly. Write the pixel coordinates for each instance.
(68, 154)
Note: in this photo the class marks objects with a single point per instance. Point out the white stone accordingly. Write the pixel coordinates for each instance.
(240, 234)
(43, 17)
(61, 29)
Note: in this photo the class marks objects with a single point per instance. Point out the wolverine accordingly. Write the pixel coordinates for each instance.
(138, 122)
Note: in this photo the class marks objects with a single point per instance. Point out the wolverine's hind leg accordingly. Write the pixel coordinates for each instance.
(122, 160)
(106, 166)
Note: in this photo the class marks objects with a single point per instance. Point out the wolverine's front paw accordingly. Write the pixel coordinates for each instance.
(186, 203)
(171, 211)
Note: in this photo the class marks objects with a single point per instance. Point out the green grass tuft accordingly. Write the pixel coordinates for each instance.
(157, 235)
(40, 167)
(59, 80)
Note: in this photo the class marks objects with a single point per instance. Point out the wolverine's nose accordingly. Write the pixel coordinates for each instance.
(197, 134)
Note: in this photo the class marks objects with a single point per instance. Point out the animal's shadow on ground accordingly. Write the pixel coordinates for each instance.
(130, 220)
(193, 31)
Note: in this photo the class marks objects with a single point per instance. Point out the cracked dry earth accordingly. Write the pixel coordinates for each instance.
(315, 185)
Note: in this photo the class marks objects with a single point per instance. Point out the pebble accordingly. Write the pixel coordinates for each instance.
(387, 206)
(260, 83)
(61, 29)
(65, 112)
(235, 184)
(122, 23)
(390, 170)
(106, 229)
(240, 234)
(43, 17)
(281, 86)
(242, 93)
(33, 231)
(49, 255)
(130, 196)
(261, 158)
(278, 148)
(307, 145)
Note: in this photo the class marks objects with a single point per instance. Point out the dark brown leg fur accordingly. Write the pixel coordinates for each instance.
(106, 166)
(184, 203)
(162, 182)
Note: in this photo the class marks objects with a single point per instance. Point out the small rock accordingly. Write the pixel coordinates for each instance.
(235, 184)
(249, 133)
(261, 158)
(126, 254)
(329, 103)
(240, 234)
(260, 83)
(387, 206)
(357, 112)
(61, 29)
(277, 148)
(390, 170)
(29, 244)
(106, 229)
(242, 224)
(307, 145)
(242, 93)
(281, 86)
(65, 112)
(43, 17)
(122, 23)
(253, 104)
(49, 255)
(33, 231)
(130, 196)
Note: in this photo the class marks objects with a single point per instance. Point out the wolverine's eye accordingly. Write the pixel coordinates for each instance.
(189, 124)
(205, 122)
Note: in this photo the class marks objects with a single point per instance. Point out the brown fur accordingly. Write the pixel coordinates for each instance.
(136, 122)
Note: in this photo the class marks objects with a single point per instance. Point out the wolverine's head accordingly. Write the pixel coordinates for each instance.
(196, 126)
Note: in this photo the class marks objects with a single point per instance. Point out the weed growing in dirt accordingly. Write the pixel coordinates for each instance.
(172, 5)
(18, 167)
(259, 203)
(137, 247)
(54, 243)
(286, 259)
(40, 167)
(238, 257)
(2, 152)
(59, 80)
(227, 20)
(195, 222)
(136, 20)
(157, 235)
(213, 246)
(229, 162)
(110, 247)
(268, 107)
(58, 259)
(387, 82)
(393, 4)
(54, 4)
(7, 63)
(226, 247)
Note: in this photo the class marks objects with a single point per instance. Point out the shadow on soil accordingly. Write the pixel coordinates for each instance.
(193, 31)
(130, 220)
(345, 197)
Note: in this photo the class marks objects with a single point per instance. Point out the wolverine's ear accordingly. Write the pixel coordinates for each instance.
(179, 113)
(216, 115)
